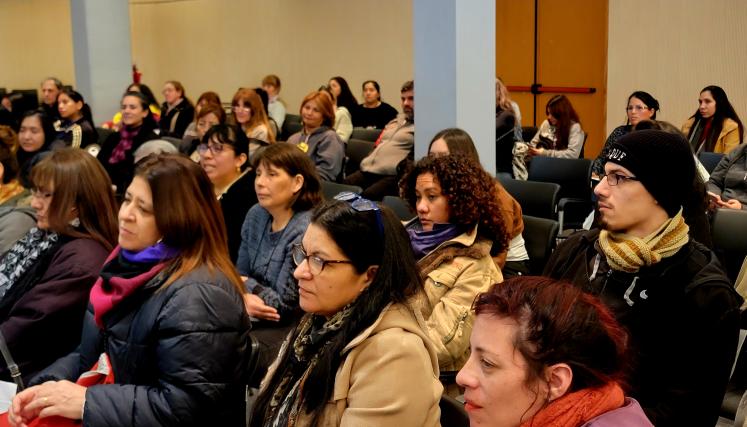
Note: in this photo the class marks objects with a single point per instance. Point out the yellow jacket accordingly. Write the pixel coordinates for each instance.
(389, 376)
(727, 140)
(454, 273)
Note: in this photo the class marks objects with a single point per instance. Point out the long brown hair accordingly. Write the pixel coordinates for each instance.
(79, 183)
(258, 116)
(188, 216)
(560, 108)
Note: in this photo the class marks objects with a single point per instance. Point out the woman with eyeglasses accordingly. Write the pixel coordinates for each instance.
(249, 113)
(359, 356)
(715, 125)
(192, 136)
(166, 312)
(287, 188)
(458, 229)
(137, 128)
(641, 106)
(561, 134)
(45, 277)
(177, 111)
(224, 156)
(318, 138)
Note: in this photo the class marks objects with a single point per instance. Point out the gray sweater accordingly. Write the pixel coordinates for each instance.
(326, 150)
(265, 257)
(729, 179)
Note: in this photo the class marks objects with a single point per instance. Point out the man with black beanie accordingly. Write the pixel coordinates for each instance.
(667, 290)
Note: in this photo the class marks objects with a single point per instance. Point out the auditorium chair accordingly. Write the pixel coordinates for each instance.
(291, 125)
(710, 160)
(573, 176)
(539, 239)
(729, 233)
(537, 199)
(355, 151)
(370, 135)
(399, 207)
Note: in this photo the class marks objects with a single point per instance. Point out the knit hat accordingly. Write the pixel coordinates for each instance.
(663, 162)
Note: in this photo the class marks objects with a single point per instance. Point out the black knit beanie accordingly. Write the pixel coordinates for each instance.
(663, 162)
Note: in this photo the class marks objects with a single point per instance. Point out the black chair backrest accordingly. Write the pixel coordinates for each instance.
(710, 160)
(331, 189)
(729, 232)
(527, 133)
(370, 135)
(539, 239)
(535, 198)
(452, 412)
(103, 133)
(399, 206)
(571, 174)
(356, 150)
(291, 125)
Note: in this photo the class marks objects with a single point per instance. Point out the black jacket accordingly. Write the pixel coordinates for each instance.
(121, 173)
(235, 203)
(176, 121)
(178, 355)
(682, 315)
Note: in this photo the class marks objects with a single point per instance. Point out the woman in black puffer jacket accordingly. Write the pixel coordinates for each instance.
(167, 311)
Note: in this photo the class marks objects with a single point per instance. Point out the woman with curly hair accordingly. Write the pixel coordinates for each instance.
(459, 225)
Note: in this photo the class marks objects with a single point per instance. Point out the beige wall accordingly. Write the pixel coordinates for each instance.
(672, 49)
(36, 41)
(221, 45)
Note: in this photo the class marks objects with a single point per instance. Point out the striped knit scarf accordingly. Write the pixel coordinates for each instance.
(627, 253)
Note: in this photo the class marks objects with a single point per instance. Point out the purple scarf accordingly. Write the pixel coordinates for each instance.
(126, 138)
(423, 242)
(156, 253)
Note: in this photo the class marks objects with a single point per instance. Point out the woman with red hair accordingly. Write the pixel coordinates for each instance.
(318, 138)
(544, 353)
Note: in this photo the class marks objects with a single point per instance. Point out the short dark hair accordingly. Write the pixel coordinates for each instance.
(57, 82)
(231, 135)
(408, 86)
(294, 162)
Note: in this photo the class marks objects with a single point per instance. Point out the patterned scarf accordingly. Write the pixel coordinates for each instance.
(10, 190)
(22, 256)
(627, 253)
(126, 138)
(125, 272)
(577, 408)
(315, 333)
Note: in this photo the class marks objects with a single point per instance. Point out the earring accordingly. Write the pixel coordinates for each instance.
(75, 223)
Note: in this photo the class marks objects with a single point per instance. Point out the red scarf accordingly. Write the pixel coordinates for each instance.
(575, 409)
(105, 297)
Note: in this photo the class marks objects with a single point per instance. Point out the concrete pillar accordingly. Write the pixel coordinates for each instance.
(102, 53)
(454, 61)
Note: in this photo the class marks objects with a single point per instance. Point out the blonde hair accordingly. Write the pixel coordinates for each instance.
(502, 98)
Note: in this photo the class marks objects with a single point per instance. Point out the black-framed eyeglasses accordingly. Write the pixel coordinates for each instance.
(616, 178)
(316, 264)
(361, 204)
(215, 148)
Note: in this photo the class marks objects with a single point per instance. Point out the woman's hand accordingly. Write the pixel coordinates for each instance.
(61, 398)
(732, 204)
(257, 308)
(533, 151)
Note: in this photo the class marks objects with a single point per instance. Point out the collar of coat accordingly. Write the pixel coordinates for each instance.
(467, 244)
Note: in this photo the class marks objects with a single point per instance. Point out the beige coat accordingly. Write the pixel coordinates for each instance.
(389, 376)
(455, 272)
(727, 140)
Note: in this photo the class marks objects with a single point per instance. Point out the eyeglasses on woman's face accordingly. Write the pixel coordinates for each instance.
(637, 108)
(316, 263)
(214, 147)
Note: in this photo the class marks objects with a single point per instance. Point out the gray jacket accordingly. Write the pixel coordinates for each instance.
(396, 142)
(729, 179)
(14, 223)
(326, 150)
